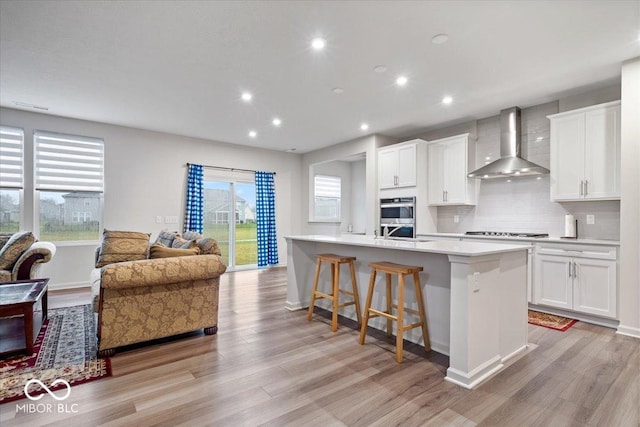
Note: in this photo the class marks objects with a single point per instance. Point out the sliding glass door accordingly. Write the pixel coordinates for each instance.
(230, 218)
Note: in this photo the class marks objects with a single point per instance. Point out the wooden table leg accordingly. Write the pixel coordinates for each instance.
(28, 328)
(45, 305)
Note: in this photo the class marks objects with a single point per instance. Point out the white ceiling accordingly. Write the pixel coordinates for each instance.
(180, 67)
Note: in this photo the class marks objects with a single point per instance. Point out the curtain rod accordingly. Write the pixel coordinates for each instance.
(226, 169)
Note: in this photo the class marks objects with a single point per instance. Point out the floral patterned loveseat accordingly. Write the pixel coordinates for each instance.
(145, 299)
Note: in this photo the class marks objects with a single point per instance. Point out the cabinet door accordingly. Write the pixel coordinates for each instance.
(387, 168)
(406, 166)
(594, 287)
(455, 176)
(553, 281)
(567, 157)
(435, 174)
(602, 153)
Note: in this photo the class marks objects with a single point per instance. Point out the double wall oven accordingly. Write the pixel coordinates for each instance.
(398, 216)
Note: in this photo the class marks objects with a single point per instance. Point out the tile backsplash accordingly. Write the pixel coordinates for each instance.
(523, 204)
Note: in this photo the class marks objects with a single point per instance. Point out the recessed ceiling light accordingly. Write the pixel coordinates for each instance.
(380, 69)
(447, 100)
(539, 177)
(517, 173)
(401, 81)
(364, 126)
(253, 133)
(276, 122)
(488, 158)
(539, 138)
(318, 43)
(508, 180)
(439, 38)
(486, 176)
(246, 96)
(338, 90)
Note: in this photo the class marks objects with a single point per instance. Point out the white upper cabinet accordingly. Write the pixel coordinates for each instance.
(585, 153)
(397, 166)
(447, 169)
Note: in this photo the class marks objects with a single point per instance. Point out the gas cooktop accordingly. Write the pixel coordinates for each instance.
(504, 234)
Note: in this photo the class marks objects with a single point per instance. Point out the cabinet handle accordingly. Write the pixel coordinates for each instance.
(586, 187)
(570, 266)
(443, 196)
(581, 187)
(575, 270)
(446, 196)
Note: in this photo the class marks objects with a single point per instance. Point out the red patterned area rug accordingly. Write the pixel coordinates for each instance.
(550, 321)
(64, 350)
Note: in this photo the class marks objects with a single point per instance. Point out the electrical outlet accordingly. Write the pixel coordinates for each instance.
(158, 219)
(591, 219)
(476, 281)
(456, 218)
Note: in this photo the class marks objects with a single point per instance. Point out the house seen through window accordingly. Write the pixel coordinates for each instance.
(69, 173)
(11, 177)
(230, 218)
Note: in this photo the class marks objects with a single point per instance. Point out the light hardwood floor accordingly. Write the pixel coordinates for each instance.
(269, 366)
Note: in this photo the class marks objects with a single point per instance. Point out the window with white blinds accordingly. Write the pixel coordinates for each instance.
(327, 194)
(68, 162)
(11, 157)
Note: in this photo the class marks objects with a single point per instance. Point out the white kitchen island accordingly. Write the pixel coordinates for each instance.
(475, 294)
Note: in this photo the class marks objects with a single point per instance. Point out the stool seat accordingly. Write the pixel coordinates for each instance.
(400, 270)
(335, 262)
(335, 258)
(393, 268)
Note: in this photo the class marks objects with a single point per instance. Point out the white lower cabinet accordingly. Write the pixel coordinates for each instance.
(579, 278)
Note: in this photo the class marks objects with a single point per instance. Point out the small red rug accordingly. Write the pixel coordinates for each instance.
(550, 321)
(65, 349)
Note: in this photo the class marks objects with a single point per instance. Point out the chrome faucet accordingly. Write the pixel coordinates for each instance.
(387, 233)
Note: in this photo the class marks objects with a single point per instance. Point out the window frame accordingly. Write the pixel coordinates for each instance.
(328, 219)
(19, 188)
(37, 190)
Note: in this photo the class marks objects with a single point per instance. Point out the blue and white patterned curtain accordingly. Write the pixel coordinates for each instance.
(266, 219)
(193, 220)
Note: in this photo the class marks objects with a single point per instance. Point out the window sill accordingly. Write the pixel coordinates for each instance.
(325, 221)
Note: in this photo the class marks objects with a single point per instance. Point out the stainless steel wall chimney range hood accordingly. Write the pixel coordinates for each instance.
(510, 163)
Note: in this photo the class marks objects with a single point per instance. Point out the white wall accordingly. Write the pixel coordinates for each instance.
(359, 196)
(630, 205)
(367, 145)
(145, 176)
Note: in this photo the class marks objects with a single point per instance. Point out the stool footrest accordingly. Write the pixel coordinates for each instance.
(344, 304)
(382, 313)
(414, 325)
(323, 295)
(408, 310)
(342, 291)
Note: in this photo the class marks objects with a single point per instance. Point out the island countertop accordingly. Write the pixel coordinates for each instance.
(446, 247)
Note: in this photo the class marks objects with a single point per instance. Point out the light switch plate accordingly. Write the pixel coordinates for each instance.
(158, 219)
(171, 219)
(456, 218)
(591, 219)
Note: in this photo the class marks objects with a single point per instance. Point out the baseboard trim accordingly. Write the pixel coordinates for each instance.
(293, 306)
(628, 331)
(68, 285)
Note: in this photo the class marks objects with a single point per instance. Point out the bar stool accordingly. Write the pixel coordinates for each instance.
(401, 271)
(335, 261)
